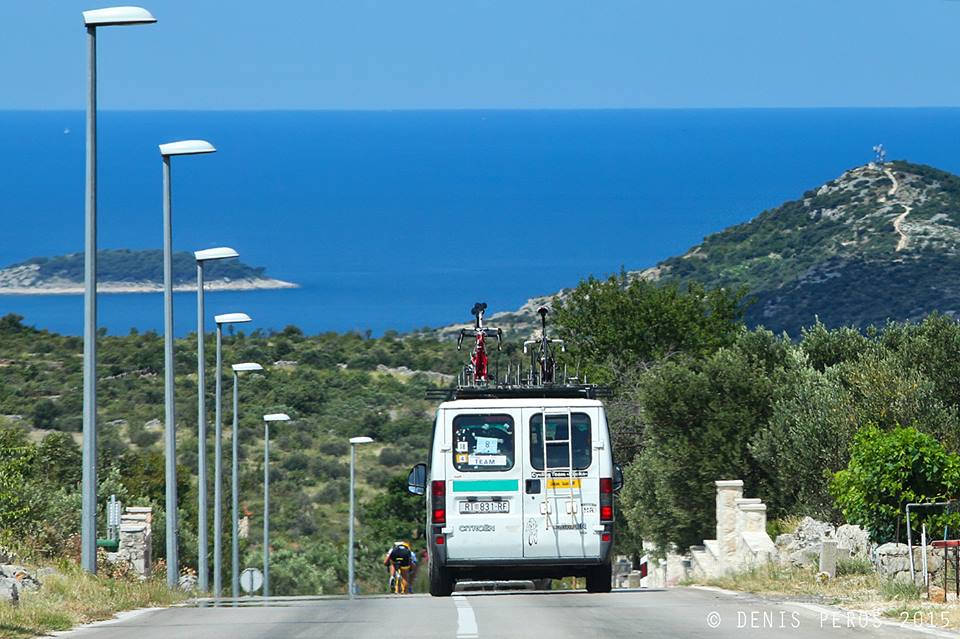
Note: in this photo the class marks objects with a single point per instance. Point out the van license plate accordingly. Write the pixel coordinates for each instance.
(478, 507)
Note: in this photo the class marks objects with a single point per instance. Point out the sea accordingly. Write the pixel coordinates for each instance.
(398, 220)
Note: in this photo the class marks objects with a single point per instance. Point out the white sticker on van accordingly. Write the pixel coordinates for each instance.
(532, 532)
(560, 473)
(463, 447)
(487, 446)
(488, 460)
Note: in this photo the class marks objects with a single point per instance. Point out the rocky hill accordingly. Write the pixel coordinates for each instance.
(879, 242)
(125, 271)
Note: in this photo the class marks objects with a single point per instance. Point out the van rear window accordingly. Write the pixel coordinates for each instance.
(483, 442)
(558, 455)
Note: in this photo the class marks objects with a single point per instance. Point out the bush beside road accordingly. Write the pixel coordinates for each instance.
(70, 597)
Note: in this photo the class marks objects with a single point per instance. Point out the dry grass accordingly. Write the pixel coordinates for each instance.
(73, 597)
(859, 590)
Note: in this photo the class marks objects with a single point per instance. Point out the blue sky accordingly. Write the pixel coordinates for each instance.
(436, 54)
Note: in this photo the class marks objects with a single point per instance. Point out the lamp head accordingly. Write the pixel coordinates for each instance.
(232, 318)
(246, 366)
(186, 147)
(361, 440)
(219, 253)
(276, 417)
(117, 16)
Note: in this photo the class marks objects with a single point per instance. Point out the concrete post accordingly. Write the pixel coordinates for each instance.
(828, 557)
(728, 492)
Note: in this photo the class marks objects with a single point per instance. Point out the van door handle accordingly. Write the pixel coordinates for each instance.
(533, 486)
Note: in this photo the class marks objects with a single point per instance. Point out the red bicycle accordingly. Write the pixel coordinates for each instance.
(478, 368)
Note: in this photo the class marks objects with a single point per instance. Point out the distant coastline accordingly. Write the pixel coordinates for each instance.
(74, 288)
(125, 271)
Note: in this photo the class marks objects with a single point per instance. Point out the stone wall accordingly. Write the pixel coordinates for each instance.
(893, 560)
(802, 546)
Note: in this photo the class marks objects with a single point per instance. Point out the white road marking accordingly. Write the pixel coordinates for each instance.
(466, 621)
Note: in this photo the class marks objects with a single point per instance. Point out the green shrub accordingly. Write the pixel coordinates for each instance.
(888, 470)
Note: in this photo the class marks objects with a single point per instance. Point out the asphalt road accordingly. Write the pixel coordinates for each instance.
(664, 614)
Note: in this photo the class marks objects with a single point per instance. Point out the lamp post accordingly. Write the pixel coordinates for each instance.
(206, 255)
(235, 478)
(275, 417)
(185, 147)
(114, 16)
(354, 441)
(227, 318)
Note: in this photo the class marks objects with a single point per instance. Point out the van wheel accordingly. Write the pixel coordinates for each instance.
(441, 581)
(600, 579)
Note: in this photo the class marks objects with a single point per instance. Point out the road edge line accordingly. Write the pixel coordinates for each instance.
(123, 615)
(835, 611)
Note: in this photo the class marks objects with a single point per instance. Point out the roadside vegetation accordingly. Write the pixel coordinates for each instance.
(71, 596)
(698, 397)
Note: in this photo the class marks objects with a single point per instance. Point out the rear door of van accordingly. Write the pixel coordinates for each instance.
(561, 511)
(484, 473)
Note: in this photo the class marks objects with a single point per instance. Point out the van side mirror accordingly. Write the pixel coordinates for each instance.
(417, 480)
(617, 478)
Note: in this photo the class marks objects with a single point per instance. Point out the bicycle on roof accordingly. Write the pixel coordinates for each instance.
(542, 359)
(478, 368)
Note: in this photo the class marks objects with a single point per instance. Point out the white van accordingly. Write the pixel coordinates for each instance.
(495, 512)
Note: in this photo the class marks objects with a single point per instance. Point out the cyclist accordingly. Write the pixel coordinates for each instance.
(400, 558)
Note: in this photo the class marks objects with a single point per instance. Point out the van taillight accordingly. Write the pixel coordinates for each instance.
(606, 500)
(439, 492)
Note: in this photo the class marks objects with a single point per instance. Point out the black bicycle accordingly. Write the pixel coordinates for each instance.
(543, 364)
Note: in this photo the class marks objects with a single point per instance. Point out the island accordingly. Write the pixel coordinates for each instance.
(128, 271)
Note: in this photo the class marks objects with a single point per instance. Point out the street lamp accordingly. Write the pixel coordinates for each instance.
(185, 147)
(235, 473)
(220, 320)
(115, 16)
(206, 255)
(275, 417)
(354, 441)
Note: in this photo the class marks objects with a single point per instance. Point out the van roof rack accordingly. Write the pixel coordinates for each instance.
(555, 391)
(543, 378)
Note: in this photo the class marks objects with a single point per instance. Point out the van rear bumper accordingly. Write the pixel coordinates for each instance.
(520, 562)
(526, 569)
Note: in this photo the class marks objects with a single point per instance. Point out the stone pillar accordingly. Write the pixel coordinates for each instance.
(728, 492)
(742, 514)
(754, 516)
(742, 526)
(135, 539)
